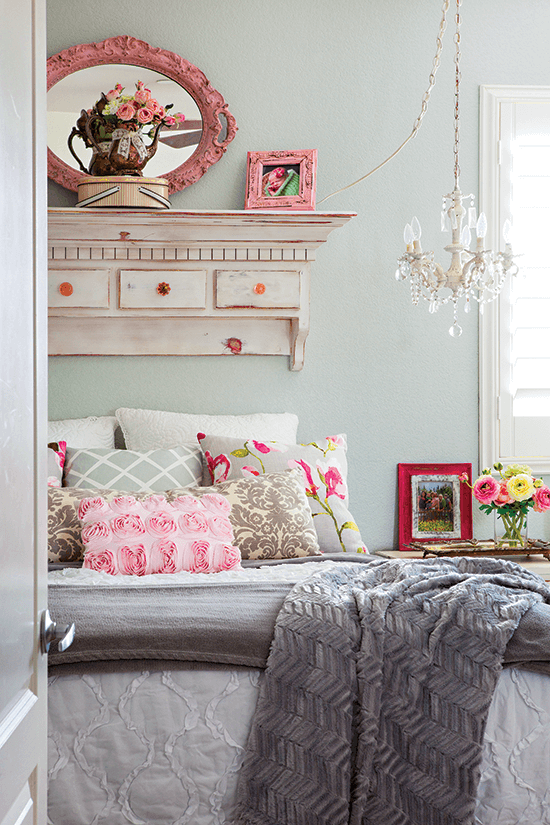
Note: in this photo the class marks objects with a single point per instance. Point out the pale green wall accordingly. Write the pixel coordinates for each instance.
(345, 77)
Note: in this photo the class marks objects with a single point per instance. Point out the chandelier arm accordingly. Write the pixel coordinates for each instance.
(424, 107)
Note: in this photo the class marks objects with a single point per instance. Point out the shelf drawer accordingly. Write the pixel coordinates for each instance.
(258, 288)
(162, 289)
(78, 288)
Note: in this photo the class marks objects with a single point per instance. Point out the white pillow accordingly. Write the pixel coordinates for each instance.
(94, 431)
(154, 429)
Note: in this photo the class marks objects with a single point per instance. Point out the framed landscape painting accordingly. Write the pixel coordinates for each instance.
(434, 506)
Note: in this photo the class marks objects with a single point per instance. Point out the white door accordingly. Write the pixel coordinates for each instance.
(22, 411)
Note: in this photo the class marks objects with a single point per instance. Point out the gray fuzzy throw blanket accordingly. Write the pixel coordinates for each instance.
(376, 693)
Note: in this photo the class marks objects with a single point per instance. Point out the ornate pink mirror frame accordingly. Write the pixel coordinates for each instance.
(129, 50)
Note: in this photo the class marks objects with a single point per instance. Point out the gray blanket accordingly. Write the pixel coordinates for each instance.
(229, 624)
(376, 693)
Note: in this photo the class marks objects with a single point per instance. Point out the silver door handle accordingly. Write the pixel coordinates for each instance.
(50, 632)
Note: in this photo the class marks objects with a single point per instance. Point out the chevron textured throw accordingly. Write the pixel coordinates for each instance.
(376, 693)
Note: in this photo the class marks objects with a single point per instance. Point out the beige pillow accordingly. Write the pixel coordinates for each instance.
(270, 516)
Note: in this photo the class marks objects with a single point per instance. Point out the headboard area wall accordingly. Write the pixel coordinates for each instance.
(345, 79)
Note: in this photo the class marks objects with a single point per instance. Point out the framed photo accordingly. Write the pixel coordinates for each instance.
(281, 180)
(434, 506)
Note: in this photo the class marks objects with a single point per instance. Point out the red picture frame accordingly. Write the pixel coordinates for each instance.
(281, 180)
(434, 506)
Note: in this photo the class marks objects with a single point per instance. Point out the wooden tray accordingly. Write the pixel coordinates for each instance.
(481, 548)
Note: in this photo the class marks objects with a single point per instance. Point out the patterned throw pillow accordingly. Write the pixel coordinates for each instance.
(269, 514)
(135, 537)
(323, 467)
(56, 461)
(64, 539)
(129, 471)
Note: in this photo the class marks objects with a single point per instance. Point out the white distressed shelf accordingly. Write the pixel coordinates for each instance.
(235, 282)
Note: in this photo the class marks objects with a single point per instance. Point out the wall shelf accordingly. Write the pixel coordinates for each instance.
(173, 282)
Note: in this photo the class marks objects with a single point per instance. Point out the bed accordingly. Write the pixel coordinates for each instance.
(188, 697)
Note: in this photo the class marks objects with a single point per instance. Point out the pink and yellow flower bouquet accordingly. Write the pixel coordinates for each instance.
(510, 497)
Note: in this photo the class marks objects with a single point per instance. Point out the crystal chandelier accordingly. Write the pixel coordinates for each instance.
(475, 273)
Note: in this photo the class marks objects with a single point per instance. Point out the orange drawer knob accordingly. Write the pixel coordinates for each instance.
(163, 288)
(259, 289)
(66, 289)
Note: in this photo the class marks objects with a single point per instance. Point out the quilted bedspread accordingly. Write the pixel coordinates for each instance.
(377, 690)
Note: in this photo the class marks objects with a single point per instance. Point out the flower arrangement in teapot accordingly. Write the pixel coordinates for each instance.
(115, 129)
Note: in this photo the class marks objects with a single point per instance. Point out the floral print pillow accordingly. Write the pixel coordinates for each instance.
(133, 537)
(57, 451)
(323, 466)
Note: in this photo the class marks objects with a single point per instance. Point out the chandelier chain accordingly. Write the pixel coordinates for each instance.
(457, 94)
(423, 109)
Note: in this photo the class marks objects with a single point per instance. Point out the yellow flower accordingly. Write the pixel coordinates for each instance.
(516, 470)
(520, 487)
(537, 482)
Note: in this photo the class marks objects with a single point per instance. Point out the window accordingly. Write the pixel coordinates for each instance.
(515, 329)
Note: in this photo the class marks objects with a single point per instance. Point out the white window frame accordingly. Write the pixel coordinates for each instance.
(491, 416)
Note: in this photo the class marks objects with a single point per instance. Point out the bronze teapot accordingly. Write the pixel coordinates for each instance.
(116, 151)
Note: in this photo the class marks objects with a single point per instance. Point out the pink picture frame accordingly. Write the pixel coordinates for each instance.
(450, 520)
(281, 180)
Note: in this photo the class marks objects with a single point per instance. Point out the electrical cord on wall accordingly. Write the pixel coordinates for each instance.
(423, 110)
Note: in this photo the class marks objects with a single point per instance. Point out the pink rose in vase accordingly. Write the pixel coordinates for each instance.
(145, 115)
(486, 489)
(125, 112)
(503, 496)
(542, 499)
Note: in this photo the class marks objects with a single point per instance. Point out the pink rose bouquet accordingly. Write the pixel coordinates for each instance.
(118, 110)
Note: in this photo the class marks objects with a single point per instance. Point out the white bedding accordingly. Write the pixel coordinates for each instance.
(113, 761)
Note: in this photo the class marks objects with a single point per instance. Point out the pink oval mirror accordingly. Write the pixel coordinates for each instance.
(77, 77)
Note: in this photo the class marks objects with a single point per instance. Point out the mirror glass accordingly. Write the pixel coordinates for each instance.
(83, 88)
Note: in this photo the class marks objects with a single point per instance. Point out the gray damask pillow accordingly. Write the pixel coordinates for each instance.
(270, 515)
(64, 543)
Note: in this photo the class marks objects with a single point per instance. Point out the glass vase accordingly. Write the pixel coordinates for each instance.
(511, 530)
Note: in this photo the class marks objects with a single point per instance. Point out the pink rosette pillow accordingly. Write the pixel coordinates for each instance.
(135, 538)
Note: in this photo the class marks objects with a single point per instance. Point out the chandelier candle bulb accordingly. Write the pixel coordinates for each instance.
(408, 237)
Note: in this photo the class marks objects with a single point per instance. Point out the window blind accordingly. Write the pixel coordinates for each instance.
(515, 366)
